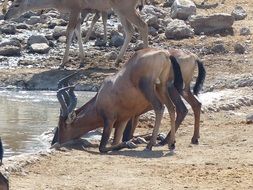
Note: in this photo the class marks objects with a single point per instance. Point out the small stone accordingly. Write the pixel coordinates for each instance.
(218, 48)
(10, 48)
(239, 48)
(8, 29)
(41, 48)
(22, 26)
(239, 13)
(35, 20)
(139, 45)
(177, 29)
(117, 40)
(59, 31)
(62, 39)
(36, 39)
(249, 119)
(111, 55)
(245, 31)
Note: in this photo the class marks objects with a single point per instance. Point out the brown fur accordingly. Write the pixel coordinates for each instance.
(140, 83)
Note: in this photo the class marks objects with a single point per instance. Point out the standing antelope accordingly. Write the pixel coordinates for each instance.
(143, 81)
(187, 62)
(125, 9)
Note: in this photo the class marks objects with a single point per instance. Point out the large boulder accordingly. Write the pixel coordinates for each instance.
(218, 22)
(182, 9)
(177, 29)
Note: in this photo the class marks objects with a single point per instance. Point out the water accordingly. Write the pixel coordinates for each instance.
(26, 115)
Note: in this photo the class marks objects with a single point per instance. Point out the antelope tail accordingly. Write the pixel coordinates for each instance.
(200, 79)
(178, 79)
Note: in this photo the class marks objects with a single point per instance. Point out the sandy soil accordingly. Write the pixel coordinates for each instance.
(222, 160)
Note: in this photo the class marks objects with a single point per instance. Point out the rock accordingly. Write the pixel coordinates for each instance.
(1, 16)
(10, 48)
(100, 43)
(245, 31)
(239, 13)
(62, 39)
(41, 48)
(8, 29)
(57, 22)
(239, 48)
(35, 20)
(111, 55)
(218, 48)
(177, 29)
(116, 40)
(152, 10)
(214, 23)
(59, 31)
(152, 31)
(182, 9)
(168, 3)
(152, 20)
(22, 26)
(30, 14)
(139, 45)
(249, 119)
(37, 39)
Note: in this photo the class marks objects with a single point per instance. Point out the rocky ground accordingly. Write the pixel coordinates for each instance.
(222, 160)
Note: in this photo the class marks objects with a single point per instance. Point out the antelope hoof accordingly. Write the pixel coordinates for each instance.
(161, 137)
(163, 142)
(131, 145)
(55, 146)
(81, 65)
(195, 141)
(61, 66)
(141, 140)
(149, 147)
(172, 147)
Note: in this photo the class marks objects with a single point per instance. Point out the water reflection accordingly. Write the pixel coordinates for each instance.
(25, 115)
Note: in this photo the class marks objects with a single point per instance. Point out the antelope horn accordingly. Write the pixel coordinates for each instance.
(69, 106)
(72, 99)
(61, 96)
(65, 81)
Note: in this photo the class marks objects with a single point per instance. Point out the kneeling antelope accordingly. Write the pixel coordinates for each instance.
(125, 9)
(188, 63)
(143, 81)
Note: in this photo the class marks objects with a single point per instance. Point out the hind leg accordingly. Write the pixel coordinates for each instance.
(181, 110)
(164, 96)
(134, 18)
(147, 87)
(118, 133)
(196, 107)
(129, 31)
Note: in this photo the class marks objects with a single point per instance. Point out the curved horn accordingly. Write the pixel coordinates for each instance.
(65, 81)
(73, 99)
(67, 108)
(61, 98)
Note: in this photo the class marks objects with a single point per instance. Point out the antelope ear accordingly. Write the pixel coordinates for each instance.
(71, 117)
